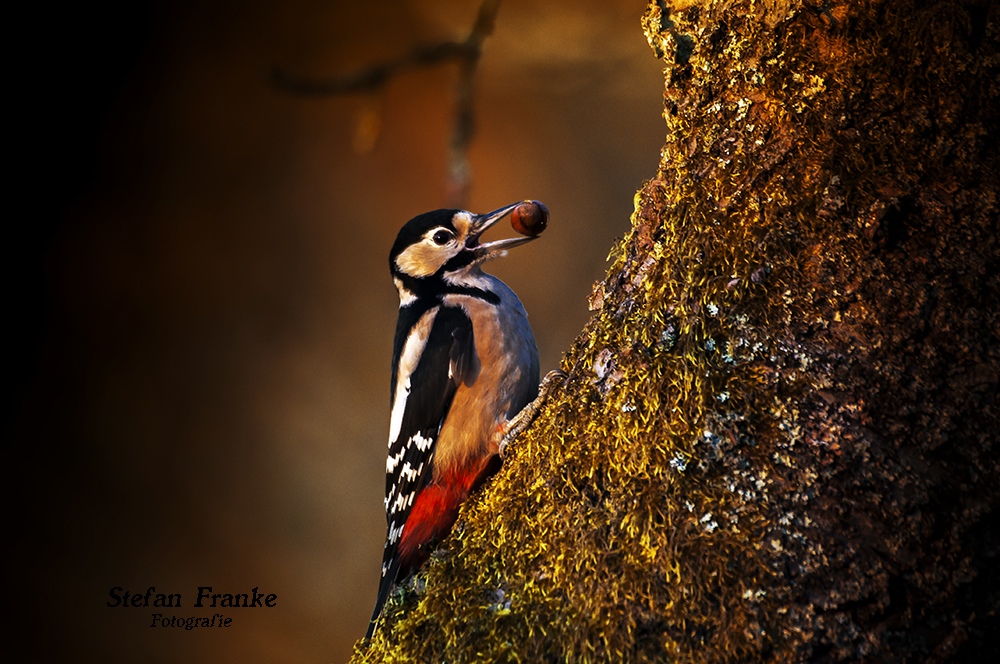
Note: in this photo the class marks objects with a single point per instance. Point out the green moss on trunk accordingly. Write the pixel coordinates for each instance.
(778, 438)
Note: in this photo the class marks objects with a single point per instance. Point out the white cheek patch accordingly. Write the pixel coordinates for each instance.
(420, 260)
(406, 297)
(424, 258)
(412, 349)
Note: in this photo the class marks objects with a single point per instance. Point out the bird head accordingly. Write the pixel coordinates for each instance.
(445, 245)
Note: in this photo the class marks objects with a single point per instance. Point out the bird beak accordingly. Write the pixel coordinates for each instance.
(481, 222)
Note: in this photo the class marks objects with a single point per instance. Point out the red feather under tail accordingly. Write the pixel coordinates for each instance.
(436, 509)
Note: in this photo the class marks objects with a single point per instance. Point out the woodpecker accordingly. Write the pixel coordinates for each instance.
(464, 367)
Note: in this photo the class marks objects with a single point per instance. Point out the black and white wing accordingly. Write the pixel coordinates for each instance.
(434, 353)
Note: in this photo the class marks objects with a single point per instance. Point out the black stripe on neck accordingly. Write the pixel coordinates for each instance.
(429, 291)
(427, 299)
(488, 296)
(459, 260)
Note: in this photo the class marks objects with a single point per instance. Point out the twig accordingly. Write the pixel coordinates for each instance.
(370, 79)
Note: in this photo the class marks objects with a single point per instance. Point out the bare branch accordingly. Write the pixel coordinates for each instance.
(373, 78)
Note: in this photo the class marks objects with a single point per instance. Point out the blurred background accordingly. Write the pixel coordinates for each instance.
(198, 297)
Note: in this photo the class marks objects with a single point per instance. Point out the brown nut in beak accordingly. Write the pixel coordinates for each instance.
(530, 218)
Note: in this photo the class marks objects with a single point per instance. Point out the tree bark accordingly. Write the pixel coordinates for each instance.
(778, 437)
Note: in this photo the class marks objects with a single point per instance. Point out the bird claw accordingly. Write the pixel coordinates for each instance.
(529, 412)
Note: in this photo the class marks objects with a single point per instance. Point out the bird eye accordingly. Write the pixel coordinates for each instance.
(442, 237)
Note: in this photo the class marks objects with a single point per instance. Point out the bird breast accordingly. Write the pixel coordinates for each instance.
(506, 382)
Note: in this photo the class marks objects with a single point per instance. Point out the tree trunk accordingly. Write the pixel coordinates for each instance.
(778, 437)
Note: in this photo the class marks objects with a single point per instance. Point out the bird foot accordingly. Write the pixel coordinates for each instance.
(529, 412)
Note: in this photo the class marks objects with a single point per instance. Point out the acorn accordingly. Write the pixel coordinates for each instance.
(530, 218)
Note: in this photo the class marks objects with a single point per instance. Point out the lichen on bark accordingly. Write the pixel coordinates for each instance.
(778, 436)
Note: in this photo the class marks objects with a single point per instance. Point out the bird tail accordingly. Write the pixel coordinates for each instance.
(388, 578)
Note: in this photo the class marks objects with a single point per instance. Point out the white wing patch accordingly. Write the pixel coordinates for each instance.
(402, 502)
(395, 533)
(408, 472)
(392, 461)
(423, 444)
(412, 349)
